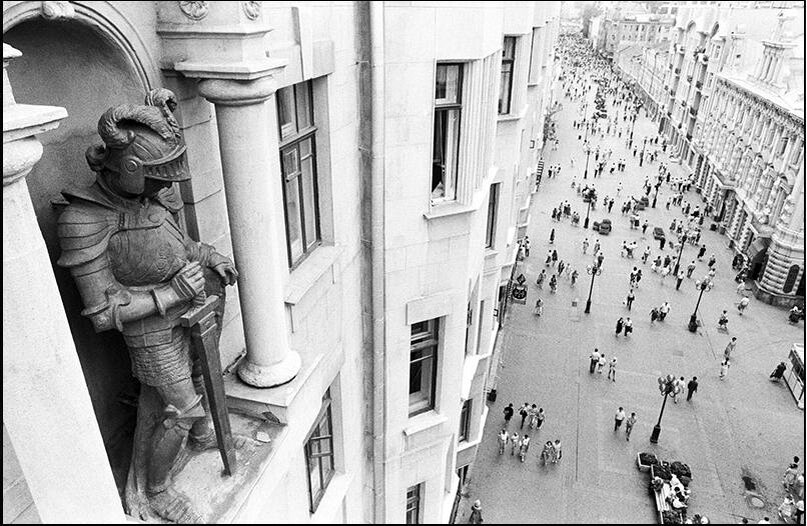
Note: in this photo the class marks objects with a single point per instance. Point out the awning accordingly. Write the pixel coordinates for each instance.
(760, 244)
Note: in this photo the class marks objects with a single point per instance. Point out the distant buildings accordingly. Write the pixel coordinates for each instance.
(729, 97)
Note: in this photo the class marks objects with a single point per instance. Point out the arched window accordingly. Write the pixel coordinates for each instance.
(791, 279)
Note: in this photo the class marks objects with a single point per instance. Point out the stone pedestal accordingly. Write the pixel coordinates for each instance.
(46, 406)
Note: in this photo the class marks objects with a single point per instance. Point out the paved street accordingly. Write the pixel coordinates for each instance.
(743, 426)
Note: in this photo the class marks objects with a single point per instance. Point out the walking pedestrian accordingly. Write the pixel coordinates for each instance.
(690, 268)
(629, 423)
(644, 228)
(508, 414)
(638, 277)
(523, 413)
(539, 418)
(541, 278)
(596, 246)
(554, 256)
(595, 358)
(585, 245)
(628, 326)
(743, 305)
(619, 324)
(712, 261)
(646, 254)
(630, 298)
(561, 266)
(619, 417)
(601, 363)
(547, 453)
(663, 311)
(692, 386)
(612, 369)
(513, 443)
(557, 452)
(552, 237)
(680, 279)
(730, 348)
(724, 368)
(476, 513)
(523, 447)
(503, 438)
(678, 388)
(701, 252)
(653, 315)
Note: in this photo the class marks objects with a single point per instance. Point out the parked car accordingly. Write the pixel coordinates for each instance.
(604, 227)
(658, 233)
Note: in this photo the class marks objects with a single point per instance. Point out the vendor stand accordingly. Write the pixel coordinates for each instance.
(794, 377)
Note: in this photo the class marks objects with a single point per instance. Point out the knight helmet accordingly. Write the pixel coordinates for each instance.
(141, 142)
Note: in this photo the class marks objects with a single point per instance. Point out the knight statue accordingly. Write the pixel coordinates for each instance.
(138, 272)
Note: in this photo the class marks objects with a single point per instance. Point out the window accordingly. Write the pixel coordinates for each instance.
(319, 454)
(493, 204)
(413, 504)
(445, 149)
(422, 366)
(298, 164)
(465, 421)
(506, 88)
(780, 151)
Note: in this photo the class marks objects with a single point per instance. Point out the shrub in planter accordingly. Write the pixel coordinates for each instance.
(670, 517)
(662, 472)
(680, 469)
(648, 459)
(686, 481)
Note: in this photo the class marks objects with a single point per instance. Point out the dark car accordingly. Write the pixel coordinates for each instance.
(658, 233)
(604, 227)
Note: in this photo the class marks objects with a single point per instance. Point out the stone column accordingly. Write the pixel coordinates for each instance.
(46, 407)
(250, 160)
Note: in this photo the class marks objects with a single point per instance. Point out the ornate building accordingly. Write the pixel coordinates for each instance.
(368, 167)
(752, 172)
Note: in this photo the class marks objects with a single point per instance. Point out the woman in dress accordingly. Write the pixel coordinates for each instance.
(619, 324)
(553, 284)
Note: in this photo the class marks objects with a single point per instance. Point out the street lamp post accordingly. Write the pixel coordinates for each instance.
(666, 384)
(656, 195)
(588, 156)
(594, 270)
(680, 251)
(693, 320)
(585, 222)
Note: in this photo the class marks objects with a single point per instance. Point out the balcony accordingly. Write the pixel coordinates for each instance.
(689, 136)
(693, 111)
(698, 84)
(677, 71)
(689, 78)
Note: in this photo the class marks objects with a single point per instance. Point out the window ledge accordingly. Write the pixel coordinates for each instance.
(333, 498)
(302, 278)
(448, 209)
(512, 116)
(423, 422)
(490, 253)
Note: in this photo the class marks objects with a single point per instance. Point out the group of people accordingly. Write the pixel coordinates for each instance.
(534, 417)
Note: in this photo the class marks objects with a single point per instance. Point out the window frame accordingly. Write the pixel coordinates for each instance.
(511, 62)
(419, 343)
(465, 420)
(450, 179)
(293, 140)
(416, 500)
(493, 209)
(324, 415)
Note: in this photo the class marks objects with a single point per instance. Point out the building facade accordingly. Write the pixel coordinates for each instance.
(368, 166)
(752, 168)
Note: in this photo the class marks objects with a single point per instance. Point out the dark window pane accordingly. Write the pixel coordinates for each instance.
(303, 97)
(293, 221)
(285, 112)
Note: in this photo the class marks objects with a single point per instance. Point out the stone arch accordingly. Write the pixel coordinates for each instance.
(102, 17)
(87, 59)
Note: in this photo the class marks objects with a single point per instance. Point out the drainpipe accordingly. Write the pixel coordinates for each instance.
(371, 63)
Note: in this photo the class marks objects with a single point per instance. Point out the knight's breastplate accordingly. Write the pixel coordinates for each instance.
(148, 248)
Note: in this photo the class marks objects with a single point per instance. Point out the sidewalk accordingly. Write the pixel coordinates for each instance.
(744, 426)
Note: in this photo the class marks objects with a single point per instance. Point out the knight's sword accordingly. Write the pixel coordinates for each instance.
(201, 319)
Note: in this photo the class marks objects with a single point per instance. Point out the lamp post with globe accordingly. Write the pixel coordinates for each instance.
(693, 320)
(593, 271)
(666, 385)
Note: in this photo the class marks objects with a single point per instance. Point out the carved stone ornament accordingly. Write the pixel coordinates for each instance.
(195, 10)
(251, 9)
(139, 273)
(57, 10)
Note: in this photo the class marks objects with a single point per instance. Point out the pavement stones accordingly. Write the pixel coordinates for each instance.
(742, 426)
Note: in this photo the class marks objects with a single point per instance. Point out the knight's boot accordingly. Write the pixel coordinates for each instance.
(167, 445)
(202, 434)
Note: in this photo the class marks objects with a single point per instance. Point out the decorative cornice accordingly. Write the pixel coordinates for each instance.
(251, 9)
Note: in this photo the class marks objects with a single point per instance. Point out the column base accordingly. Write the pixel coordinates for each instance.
(270, 375)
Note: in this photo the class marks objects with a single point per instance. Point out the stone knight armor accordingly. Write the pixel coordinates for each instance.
(138, 271)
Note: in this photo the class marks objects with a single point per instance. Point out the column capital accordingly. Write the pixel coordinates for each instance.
(21, 122)
(233, 92)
